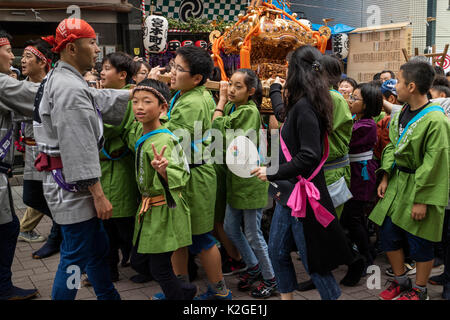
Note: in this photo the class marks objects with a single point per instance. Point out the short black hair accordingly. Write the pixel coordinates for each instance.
(199, 61)
(158, 85)
(333, 69)
(388, 71)
(4, 34)
(136, 66)
(378, 83)
(441, 89)
(388, 93)
(376, 76)
(441, 81)
(372, 98)
(419, 72)
(352, 82)
(121, 61)
(439, 70)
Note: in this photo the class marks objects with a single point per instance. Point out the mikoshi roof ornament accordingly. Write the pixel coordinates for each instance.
(263, 37)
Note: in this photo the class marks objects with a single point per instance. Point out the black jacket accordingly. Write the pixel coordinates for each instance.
(303, 133)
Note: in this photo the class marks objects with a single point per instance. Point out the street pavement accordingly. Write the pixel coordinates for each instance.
(32, 273)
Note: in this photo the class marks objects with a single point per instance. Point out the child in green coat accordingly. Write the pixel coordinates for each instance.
(414, 188)
(117, 164)
(163, 222)
(189, 114)
(246, 197)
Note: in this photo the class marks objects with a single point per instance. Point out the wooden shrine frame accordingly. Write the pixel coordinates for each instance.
(434, 56)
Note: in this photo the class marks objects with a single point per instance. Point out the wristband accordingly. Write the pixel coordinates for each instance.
(219, 110)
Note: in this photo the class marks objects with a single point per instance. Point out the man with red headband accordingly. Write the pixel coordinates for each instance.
(68, 124)
(15, 96)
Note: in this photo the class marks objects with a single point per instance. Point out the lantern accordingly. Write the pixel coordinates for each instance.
(187, 43)
(202, 44)
(340, 45)
(155, 33)
(174, 45)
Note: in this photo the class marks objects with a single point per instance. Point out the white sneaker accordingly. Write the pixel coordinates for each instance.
(31, 236)
(410, 268)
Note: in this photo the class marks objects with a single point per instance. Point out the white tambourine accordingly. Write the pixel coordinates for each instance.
(242, 157)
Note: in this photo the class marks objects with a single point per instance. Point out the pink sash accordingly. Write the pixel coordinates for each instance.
(304, 189)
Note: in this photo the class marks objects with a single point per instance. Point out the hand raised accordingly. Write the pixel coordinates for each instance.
(159, 162)
(224, 90)
(156, 72)
(280, 81)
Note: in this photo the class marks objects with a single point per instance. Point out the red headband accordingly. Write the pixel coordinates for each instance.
(68, 31)
(4, 42)
(40, 55)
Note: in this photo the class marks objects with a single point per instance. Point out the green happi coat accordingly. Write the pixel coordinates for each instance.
(425, 149)
(339, 140)
(379, 117)
(221, 192)
(242, 193)
(118, 179)
(196, 105)
(162, 229)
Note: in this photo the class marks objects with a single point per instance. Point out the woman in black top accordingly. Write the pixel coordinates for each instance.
(307, 117)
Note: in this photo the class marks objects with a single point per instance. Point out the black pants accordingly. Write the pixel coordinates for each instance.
(33, 197)
(159, 266)
(120, 234)
(8, 240)
(355, 221)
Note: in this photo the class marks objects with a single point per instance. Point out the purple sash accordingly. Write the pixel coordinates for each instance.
(59, 179)
(5, 144)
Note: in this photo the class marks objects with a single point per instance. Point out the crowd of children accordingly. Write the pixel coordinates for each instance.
(122, 163)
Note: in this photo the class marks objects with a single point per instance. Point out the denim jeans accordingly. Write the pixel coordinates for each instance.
(8, 240)
(252, 245)
(85, 245)
(285, 231)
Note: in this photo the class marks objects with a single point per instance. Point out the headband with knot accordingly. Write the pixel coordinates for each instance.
(40, 55)
(68, 31)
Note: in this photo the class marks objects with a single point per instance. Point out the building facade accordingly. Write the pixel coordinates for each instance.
(363, 13)
(116, 22)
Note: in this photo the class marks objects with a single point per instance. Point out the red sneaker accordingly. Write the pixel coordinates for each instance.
(394, 290)
(414, 294)
(232, 266)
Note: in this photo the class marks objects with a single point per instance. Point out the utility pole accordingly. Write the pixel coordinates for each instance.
(431, 22)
